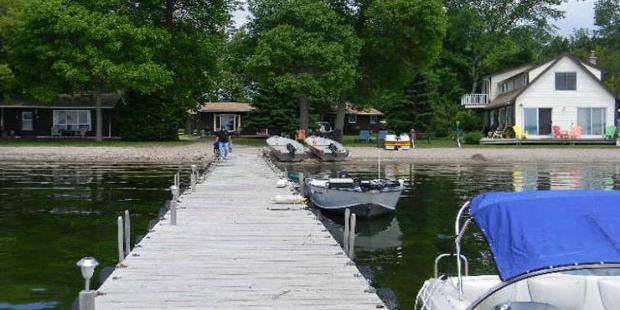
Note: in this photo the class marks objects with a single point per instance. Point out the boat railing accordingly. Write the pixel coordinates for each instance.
(459, 232)
(442, 256)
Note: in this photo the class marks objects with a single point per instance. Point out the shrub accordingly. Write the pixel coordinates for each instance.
(472, 137)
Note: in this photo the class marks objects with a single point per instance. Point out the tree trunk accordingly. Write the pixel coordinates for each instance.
(99, 118)
(303, 112)
(339, 123)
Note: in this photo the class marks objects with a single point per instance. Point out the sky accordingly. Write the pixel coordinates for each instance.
(579, 14)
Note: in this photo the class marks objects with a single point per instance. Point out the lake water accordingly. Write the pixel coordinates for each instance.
(52, 214)
(401, 249)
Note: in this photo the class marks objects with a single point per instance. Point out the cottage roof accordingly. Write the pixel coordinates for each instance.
(108, 101)
(350, 109)
(225, 107)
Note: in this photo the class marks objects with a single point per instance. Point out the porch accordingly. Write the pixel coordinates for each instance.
(543, 141)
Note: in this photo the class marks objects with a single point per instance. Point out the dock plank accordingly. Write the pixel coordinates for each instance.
(233, 249)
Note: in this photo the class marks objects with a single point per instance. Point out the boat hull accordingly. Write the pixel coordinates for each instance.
(285, 156)
(328, 156)
(363, 204)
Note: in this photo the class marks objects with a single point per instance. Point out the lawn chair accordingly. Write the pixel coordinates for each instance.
(498, 133)
(559, 134)
(575, 132)
(519, 134)
(611, 132)
(364, 136)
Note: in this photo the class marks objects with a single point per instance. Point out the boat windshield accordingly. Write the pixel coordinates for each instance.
(587, 288)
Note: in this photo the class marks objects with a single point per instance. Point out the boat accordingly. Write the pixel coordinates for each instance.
(327, 149)
(367, 198)
(394, 142)
(285, 149)
(552, 249)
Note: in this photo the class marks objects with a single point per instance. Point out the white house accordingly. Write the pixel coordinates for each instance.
(564, 92)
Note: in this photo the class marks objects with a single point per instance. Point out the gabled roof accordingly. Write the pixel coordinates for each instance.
(220, 107)
(509, 97)
(65, 101)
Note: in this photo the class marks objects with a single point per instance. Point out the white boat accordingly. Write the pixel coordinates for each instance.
(327, 149)
(394, 142)
(285, 149)
(554, 250)
(366, 198)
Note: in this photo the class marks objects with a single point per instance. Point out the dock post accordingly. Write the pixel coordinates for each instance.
(121, 254)
(345, 236)
(302, 184)
(175, 192)
(86, 300)
(127, 233)
(177, 179)
(352, 237)
(193, 178)
(173, 212)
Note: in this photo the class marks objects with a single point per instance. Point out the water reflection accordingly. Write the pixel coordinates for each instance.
(401, 249)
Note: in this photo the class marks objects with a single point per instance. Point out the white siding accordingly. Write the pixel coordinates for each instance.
(564, 104)
(496, 79)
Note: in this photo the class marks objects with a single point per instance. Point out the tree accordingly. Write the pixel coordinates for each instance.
(305, 50)
(9, 18)
(607, 18)
(415, 108)
(95, 50)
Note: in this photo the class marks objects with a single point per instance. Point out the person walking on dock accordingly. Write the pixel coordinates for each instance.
(223, 140)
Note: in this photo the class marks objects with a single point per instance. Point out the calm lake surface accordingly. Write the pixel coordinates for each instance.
(52, 214)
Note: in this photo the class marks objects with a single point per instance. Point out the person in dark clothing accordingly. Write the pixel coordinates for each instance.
(223, 139)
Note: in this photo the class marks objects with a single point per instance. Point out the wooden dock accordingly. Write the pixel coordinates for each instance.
(233, 249)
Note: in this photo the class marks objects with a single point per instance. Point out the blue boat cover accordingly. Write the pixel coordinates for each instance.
(529, 231)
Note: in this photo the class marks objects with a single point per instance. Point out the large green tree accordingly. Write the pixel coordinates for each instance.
(305, 50)
(9, 18)
(94, 50)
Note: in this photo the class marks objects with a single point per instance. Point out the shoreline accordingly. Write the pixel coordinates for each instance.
(200, 152)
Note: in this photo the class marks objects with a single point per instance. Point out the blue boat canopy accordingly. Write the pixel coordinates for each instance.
(530, 231)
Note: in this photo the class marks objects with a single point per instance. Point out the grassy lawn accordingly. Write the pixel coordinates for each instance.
(249, 141)
(85, 143)
(351, 141)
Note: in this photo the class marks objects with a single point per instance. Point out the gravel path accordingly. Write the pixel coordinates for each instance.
(203, 151)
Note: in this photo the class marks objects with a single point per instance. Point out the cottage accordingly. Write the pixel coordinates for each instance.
(357, 119)
(215, 116)
(68, 115)
(559, 95)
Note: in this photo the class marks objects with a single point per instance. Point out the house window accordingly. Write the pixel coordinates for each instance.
(373, 119)
(72, 119)
(591, 120)
(26, 121)
(352, 118)
(537, 121)
(565, 80)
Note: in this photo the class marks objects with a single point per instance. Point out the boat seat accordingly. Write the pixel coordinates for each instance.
(609, 291)
(566, 292)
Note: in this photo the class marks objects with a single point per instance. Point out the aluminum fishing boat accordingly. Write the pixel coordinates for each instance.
(364, 198)
(327, 149)
(552, 249)
(285, 149)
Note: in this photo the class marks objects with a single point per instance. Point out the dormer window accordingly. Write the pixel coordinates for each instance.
(566, 81)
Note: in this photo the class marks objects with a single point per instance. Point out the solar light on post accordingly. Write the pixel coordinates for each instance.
(175, 192)
(87, 297)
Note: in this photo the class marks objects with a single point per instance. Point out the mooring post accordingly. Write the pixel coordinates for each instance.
(302, 184)
(173, 212)
(345, 236)
(352, 237)
(175, 192)
(127, 233)
(177, 179)
(193, 178)
(86, 301)
(121, 255)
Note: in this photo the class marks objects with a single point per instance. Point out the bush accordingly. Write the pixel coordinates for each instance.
(469, 120)
(472, 137)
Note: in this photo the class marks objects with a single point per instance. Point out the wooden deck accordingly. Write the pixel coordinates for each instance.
(489, 141)
(233, 249)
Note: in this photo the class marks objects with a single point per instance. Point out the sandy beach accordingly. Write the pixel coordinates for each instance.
(199, 152)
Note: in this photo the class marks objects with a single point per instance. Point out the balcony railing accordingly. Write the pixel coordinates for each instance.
(475, 100)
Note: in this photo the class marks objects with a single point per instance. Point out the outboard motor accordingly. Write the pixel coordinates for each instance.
(343, 175)
(332, 147)
(291, 149)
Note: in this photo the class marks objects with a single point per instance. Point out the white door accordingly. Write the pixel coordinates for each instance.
(26, 121)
